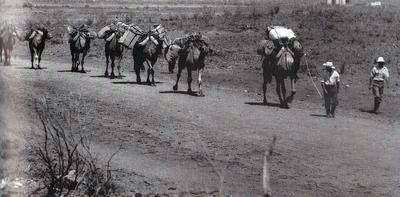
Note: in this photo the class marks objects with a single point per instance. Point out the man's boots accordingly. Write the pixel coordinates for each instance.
(376, 105)
(328, 110)
(333, 110)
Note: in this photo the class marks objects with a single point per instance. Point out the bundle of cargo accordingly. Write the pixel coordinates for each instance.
(197, 39)
(158, 31)
(284, 36)
(109, 32)
(75, 32)
(131, 36)
(102, 33)
(279, 32)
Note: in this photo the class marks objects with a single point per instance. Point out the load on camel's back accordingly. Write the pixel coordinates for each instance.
(172, 51)
(113, 47)
(36, 37)
(79, 41)
(282, 53)
(190, 51)
(147, 46)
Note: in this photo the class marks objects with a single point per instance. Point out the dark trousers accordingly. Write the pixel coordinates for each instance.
(331, 101)
(377, 91)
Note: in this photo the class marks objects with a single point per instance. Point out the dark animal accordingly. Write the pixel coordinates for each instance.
(113, 50)
(192, 57)
(1, 49)
(147, 49)
(281, 65)
(79, 46)
(37, 42)
(8, 40)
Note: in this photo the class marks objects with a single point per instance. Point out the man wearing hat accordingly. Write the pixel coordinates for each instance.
(330, 85)
(379, 75)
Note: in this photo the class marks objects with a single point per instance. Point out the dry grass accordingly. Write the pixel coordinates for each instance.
(64, 162)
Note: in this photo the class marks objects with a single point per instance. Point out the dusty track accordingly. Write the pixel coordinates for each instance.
(168, 138)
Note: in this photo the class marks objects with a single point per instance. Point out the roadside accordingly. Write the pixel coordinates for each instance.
(168, 138)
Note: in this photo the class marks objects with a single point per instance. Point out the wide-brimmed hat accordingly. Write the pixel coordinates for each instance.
(328, 65)
(380, 60)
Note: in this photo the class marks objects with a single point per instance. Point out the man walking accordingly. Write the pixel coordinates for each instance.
(330, 85)
(379, 75)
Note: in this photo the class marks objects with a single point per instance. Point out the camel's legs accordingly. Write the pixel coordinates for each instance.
(267, 80)
(200, 73)
(178, 76)
(83, 61)
(1, 53)
(293, 91)
(39, 54)
(171, 66)
(112, 66)
(282, 94)
(148, 72)
(32, 57)
(152, 73)
(73, 61)
(7, 57)
(279, 90)
(136, 67)
(189, 79)
(107, 63)
(119, 66)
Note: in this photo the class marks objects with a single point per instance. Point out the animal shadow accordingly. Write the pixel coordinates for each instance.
(108, 77)
(319, 115)
(264, 104)
(69, 71)
(135, 83)
(30, 68)
(195, 94)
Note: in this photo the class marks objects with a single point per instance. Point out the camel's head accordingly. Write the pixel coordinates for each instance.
(171, 54)
(46, 34)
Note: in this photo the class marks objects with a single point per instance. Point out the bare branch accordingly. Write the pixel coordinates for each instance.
(266, 176)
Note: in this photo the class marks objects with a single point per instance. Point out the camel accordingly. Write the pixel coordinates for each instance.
(79, 45)
(147, 49)
(192, 57)
(8, 40)
(1, 41)
(37, 42)
(282, 65)
(1, 49)
(113, 50)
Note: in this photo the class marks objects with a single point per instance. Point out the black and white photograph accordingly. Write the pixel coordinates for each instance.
(200, 98)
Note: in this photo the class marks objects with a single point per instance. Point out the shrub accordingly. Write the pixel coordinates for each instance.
(63, 162)
(27, 4)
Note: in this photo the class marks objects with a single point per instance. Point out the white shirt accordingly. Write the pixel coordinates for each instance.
(380, 74)
(331, 78)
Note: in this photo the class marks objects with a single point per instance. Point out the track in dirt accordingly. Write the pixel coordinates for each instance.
(168, 139)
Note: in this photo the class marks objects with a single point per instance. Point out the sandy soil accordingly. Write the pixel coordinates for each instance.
(168, 138)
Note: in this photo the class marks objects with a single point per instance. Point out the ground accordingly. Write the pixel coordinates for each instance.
(173, 142)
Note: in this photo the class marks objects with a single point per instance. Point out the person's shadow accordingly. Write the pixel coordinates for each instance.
(263, 104)
(319, 115)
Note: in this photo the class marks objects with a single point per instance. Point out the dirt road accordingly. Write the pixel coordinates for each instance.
(175, 142)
